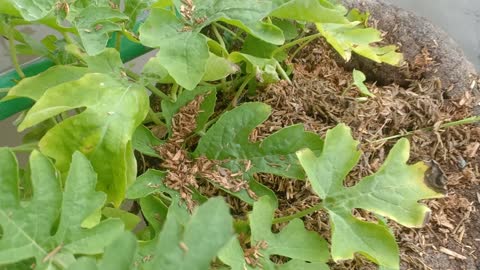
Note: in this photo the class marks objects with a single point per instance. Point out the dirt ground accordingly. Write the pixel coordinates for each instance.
(321, 97)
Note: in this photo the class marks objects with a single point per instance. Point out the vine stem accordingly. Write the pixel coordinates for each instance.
(67, 38)
(218, 36)
(25, 147)
(300, 214)
(241, 89)
(296, 42)
(155, 117)
(283, 74)
(174, 91)
(13, 53)
(466, 121)
(235, 35)
(150, 87)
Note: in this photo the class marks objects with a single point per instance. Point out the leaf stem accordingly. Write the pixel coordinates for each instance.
(13, 53)
(466, 121)
(299, 49)
(28, 147)
(241, 89)
(283, 74)
(150, 87)
(157, 92)
(226, 29)
(173, 92)
(300, 214)
(67, 38)
(154, 117)
(296, 42)
(218, 36)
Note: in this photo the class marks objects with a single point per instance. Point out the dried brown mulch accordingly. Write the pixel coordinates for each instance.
(322, 97)
(186, 174)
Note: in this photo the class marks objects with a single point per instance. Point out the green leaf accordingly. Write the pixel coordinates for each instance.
(155, 212)
(247, 15)
(134, 8)
(393, 192)
(207, 107)
(8, 7)
(294, 241)
(108, 61)
(119, 255)
(258, 48)
(94, 25)
(191, 243)
(320, 11)
(28, 226)
(351, 37)
(103, 131)
(218, 68)
(144, 141)
(32, 10)
(290, 28)
(358, 80)
(148, 183)
(228, 140)
(263, 68)
(130, 220)
(154, 72)
(297, 264)
(35, 87)
(183, 54)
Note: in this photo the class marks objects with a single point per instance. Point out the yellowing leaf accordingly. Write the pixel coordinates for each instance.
(393, 192)
(103, 131)
(351, 37)
(34, 87)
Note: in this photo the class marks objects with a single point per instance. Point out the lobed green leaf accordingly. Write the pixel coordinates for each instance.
(228, 140)
(191, 243)
(393, 192)
(144, 141)
(293, 242)
(184, 54)
(170, 108)
(47, 227)
(119, 255)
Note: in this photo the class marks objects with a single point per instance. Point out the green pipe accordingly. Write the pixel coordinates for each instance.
(129, 51)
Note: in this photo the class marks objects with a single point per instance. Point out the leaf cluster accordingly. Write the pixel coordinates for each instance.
(80, 204)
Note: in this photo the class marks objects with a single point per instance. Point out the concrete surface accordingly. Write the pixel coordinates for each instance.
(460, 18)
